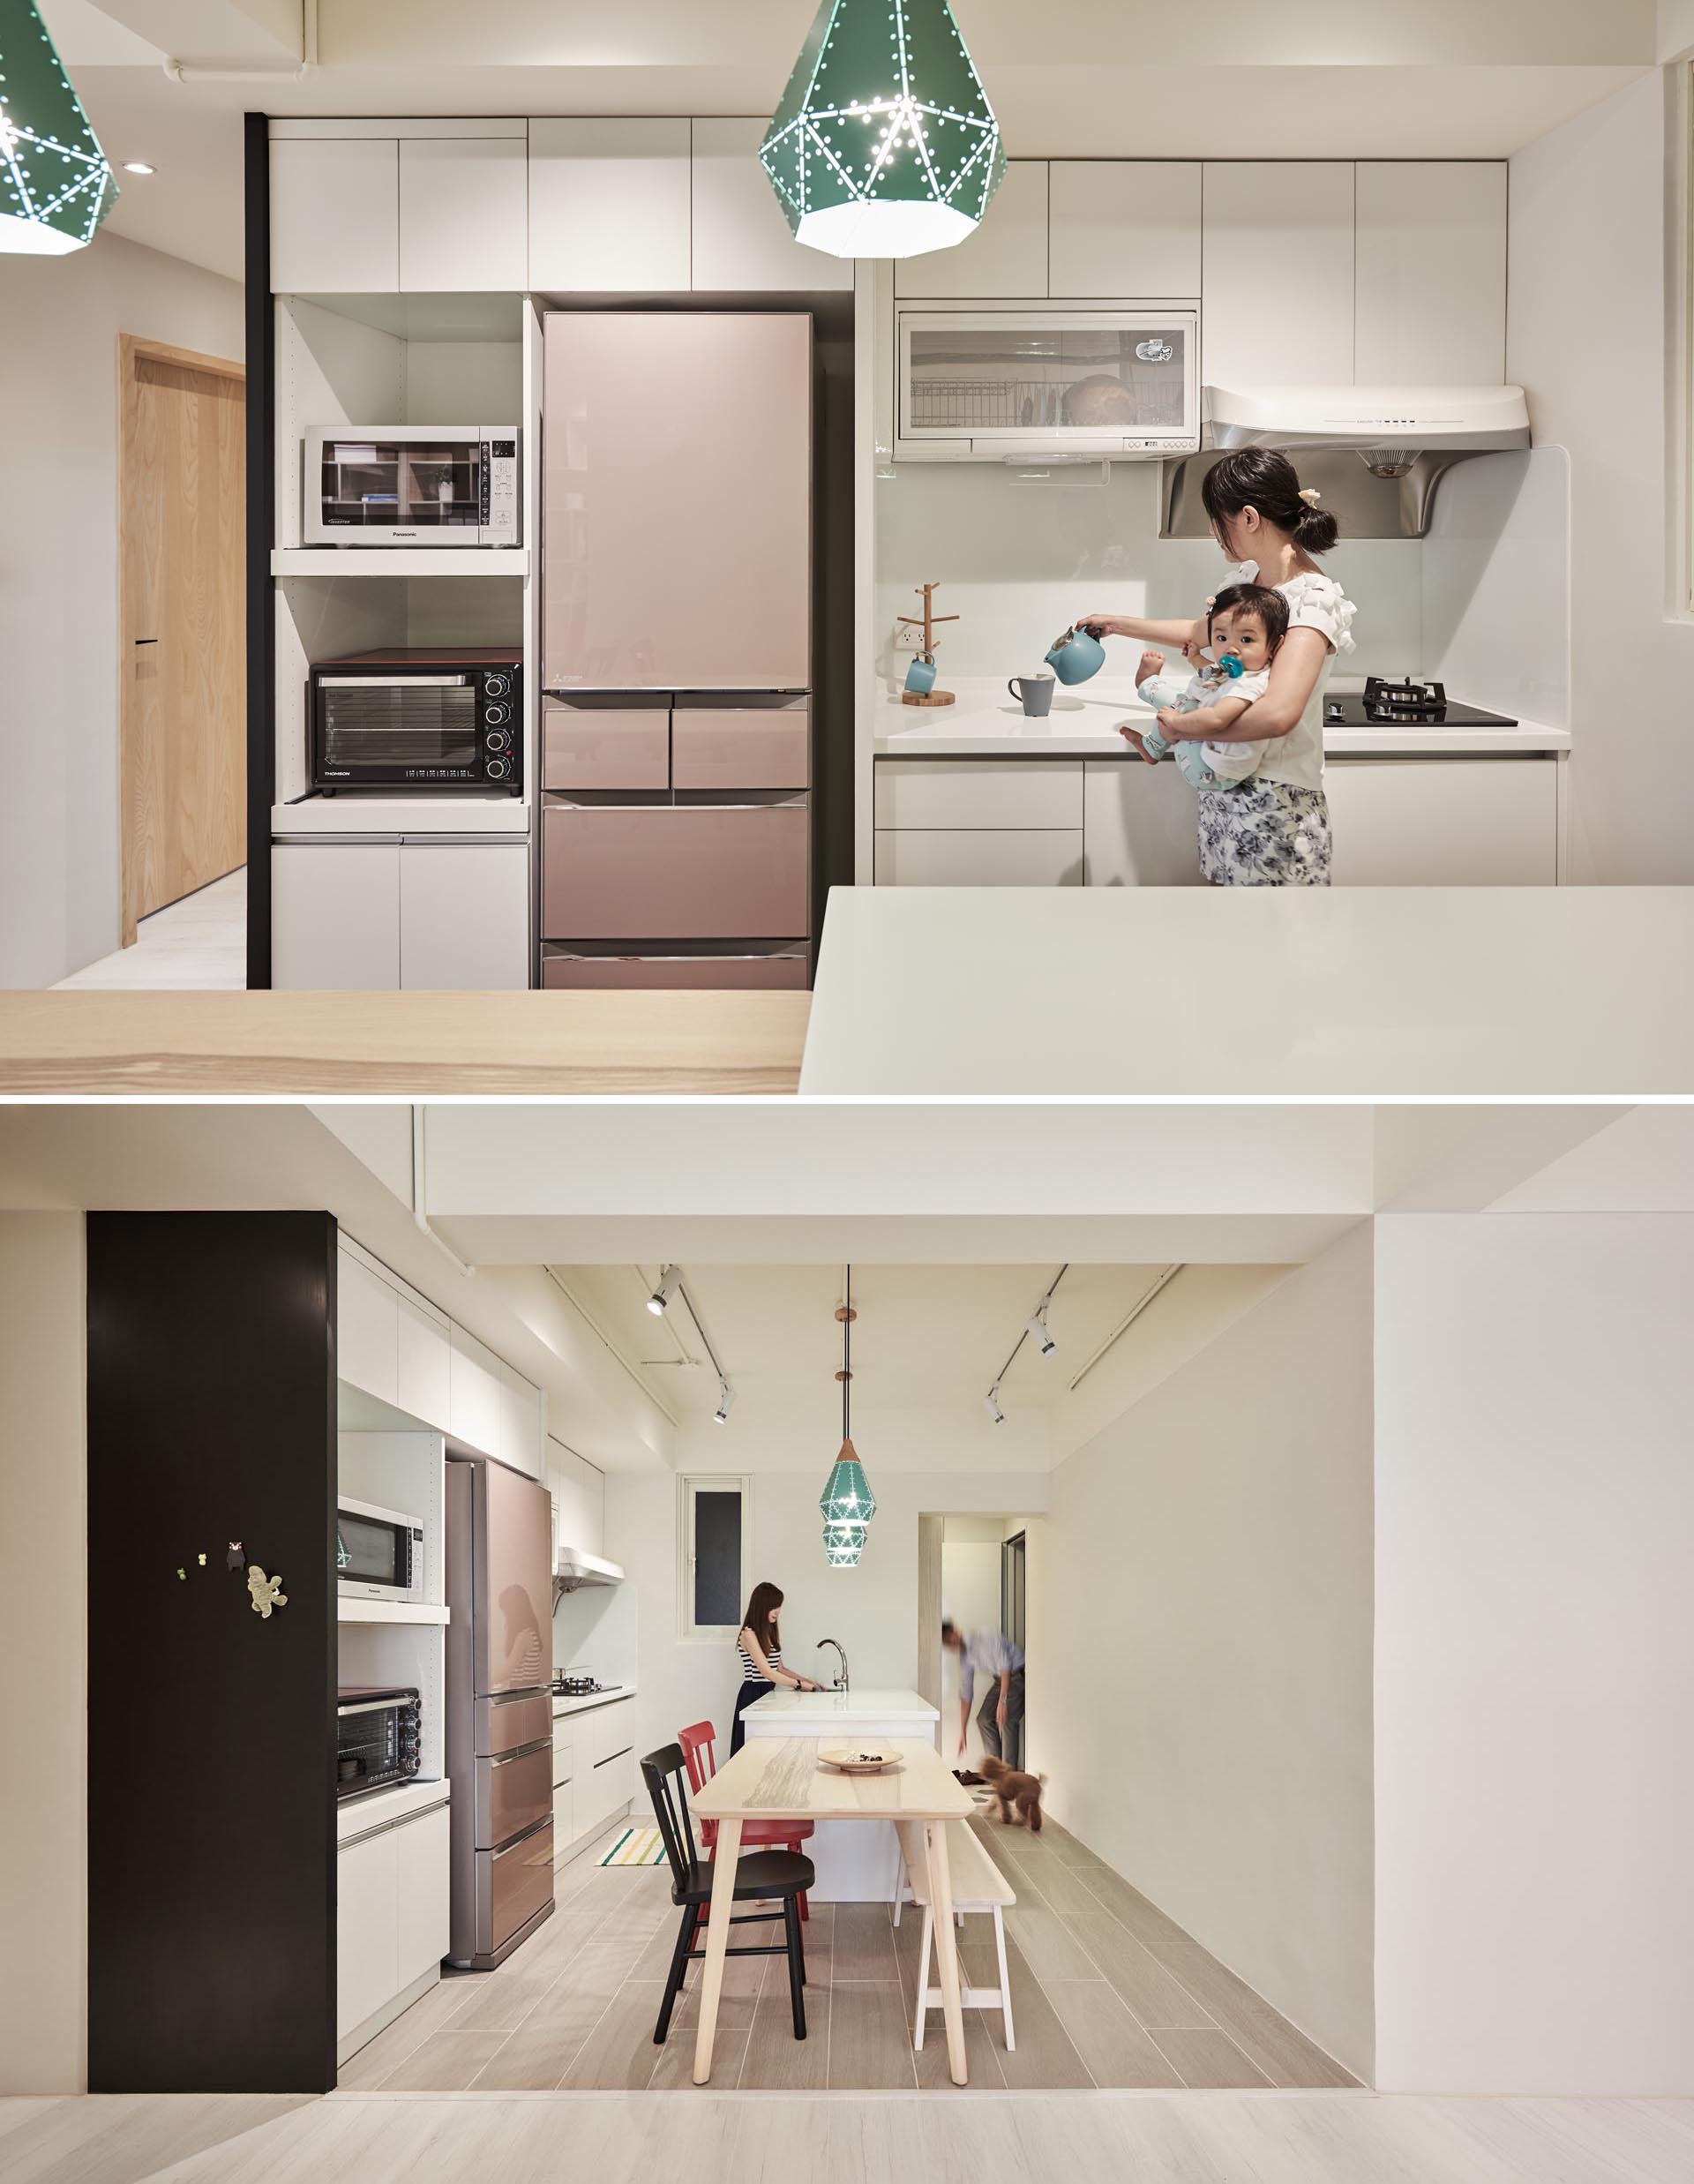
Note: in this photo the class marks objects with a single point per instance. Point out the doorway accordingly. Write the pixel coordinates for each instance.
(182, 632)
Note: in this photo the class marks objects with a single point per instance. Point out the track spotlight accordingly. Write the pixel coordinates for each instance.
(991, 1404)
(1036, 1331)
(725, 1404)
(670, 1282)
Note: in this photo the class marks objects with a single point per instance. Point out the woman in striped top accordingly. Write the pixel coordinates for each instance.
(759, 1642)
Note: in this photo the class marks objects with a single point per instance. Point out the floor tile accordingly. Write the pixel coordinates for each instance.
(863, 1942)
(775, 2061)
(1205, 2058)
(869, 2044)
(1115, 2051)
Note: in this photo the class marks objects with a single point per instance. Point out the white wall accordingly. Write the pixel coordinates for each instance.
(872, 1609)
(1589, 351)
(1535, 1654)
(59, 882)
(43, 1653)
(1200, 1646)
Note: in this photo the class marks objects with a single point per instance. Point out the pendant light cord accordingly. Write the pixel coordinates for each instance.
(847, 1363)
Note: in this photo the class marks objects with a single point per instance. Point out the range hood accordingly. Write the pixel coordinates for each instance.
(1388, 427)
(575, 1567)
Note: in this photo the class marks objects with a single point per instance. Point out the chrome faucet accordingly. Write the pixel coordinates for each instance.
(841, 1682)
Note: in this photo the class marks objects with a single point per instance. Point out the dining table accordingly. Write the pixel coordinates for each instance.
(787, 1778)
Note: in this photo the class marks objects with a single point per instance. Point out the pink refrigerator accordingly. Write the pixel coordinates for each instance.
(499, 1722)
(676, 648)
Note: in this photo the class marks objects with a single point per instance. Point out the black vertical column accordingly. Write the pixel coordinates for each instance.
(261, 530)
(210, 1791)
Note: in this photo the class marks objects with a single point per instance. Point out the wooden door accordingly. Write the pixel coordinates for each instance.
(183, 631)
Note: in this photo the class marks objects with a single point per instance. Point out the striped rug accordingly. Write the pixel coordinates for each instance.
(636, 1846)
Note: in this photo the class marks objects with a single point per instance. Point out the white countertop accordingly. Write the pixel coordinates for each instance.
(988, 722)
(590, 1700)
(363, 813)
(1383, 993)
(785, 1713)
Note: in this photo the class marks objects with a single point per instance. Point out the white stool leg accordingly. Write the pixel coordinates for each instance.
(899, 1897)
(1005, 1979)
(923, 1978)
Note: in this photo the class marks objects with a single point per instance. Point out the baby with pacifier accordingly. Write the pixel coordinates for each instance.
(1245, 624)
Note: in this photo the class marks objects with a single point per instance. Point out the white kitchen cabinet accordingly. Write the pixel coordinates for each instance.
(424, 1364)
(335, 916)
(1123, 228)
(1140, 826)
(564, 1821)
(522, 1441)
(476, 1414)
(741, 237)
(604, 1771)
(1278, 273)
(464, 219)
(980, 856)
(424, 1880)
(579, 1494)
(367, 1939)
(1006, 255)
(609, 205)
(335, 216)
(1431, 272)
(367, 1329)
(980, 792)
(1445, 822)
(464, 916)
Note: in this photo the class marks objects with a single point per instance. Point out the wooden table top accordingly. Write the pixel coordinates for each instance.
(779, 1777)
(411, 1044)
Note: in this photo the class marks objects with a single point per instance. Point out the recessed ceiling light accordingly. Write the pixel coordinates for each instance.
(138, 167)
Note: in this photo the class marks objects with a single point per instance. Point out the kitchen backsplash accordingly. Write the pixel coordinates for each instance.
(1018, 560)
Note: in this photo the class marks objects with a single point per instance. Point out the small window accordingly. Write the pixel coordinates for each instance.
(712, 1579)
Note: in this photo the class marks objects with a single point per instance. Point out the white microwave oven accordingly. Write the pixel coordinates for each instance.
(378, 1552)
(411, 485)
(1003, 383)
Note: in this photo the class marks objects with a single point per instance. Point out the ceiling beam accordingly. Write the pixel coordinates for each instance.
(236, 32)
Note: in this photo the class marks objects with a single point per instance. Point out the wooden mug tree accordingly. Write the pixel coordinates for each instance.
(926, 622)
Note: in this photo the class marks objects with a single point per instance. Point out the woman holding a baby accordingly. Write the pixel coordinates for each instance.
(1248, 726)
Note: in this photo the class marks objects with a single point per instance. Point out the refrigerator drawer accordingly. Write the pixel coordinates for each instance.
(506, 1725)
(741, 748)
(512, 1885)
(776, 969)
(676, 872)
(512, 1794)
(604, 746)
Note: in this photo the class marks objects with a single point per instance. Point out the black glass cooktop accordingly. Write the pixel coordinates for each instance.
(1408, 701)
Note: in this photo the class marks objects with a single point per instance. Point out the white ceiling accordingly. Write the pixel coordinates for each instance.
(1334, 79)
(925, 1336)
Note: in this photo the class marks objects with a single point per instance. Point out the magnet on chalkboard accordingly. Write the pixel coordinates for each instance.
(234, 1557)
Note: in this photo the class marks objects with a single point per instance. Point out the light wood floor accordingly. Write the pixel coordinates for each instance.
(1106, 1992)
(410, 1045)
(198, 943)
(828, 2138)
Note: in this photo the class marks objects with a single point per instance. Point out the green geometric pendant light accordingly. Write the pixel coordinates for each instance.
(847, 1502)
(884, 144)
(56, 183)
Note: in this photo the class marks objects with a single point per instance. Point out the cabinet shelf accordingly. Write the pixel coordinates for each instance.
(399, 561)
(390, 1611)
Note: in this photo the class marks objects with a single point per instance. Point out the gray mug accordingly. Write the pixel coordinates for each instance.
(1034, 693)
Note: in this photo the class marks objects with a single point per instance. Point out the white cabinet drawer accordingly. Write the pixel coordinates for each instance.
(1141, 828)
(335, 914)
(564, 1821)
(979, 792)
(367, 1958)
(604, 1731)
(980, 856)
(1435, 823)
(423, 1877)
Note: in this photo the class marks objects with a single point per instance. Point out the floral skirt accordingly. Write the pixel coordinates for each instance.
(1264, 834)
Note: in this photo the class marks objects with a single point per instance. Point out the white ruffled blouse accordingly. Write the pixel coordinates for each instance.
(1314, 602)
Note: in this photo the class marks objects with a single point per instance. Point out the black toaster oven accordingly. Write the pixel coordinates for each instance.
(378, 1735)
(417, 719)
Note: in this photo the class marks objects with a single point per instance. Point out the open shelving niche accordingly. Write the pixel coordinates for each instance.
(400, 1470)
(363, 360)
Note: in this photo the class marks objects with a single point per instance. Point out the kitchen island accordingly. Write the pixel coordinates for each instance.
(1526, 993)
(857, 1862)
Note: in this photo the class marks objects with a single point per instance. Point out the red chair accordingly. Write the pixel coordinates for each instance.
(700, 1755)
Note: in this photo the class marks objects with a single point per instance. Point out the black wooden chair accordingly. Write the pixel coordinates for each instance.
(783, 1875)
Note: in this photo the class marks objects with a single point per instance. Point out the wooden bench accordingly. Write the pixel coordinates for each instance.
(979, 1885)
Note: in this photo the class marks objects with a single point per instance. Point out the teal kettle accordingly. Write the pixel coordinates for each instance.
(1076, 655)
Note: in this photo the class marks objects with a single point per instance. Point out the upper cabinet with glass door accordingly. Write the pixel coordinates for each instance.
(1005, 384)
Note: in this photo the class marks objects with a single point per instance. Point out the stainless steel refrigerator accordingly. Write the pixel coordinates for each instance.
(499, 1726)
(676, 648)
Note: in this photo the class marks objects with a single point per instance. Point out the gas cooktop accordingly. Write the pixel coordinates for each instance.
(1407, 702)
(580, 1687)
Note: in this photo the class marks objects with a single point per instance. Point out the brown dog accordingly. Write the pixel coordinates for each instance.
(1023, 1791)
